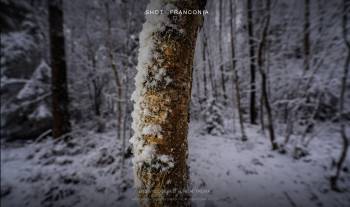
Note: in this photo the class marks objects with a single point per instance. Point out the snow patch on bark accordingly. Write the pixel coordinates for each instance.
(152, 129)
(150, 74)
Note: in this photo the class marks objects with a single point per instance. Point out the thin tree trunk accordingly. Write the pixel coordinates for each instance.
(198, 87)
(235, 73)
(252, 107)
(60, 100)
(204, 66)
(342, 119)
(115, 72)
(265, 96)
(306, 35)
(223, 84)
(262, 122)
(210, 66)
(161, 110)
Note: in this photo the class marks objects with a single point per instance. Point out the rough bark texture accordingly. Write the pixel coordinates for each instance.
(161, 172)
(252, 107)
(61, 124)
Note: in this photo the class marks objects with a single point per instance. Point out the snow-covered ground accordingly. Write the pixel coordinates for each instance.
(87, 171)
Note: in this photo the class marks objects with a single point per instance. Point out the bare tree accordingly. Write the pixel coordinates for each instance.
(60, 100)
(265, 95)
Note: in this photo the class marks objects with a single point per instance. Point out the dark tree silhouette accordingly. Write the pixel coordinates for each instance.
(60, 101)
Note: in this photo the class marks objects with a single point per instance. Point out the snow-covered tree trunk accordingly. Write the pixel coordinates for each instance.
(162, 97)
(60, 100)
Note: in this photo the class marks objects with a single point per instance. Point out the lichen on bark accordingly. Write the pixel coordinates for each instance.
(162, 96)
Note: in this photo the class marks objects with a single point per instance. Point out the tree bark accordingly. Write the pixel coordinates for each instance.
(342, 119)
(252, 107)
(161, 110)
(235, 73)
(60, 100)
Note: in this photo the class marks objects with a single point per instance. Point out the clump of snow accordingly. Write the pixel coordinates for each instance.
(38, 84)
(152, 129)
(41, 112)
(15, 45)
(167, 161)
(168, 80)
(146, 155)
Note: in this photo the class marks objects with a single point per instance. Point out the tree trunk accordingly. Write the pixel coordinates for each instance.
(223, 84)
(252, 107)
(210, 65)
(115, 72)
(161, 110)
(265, 96)
(204, 66)
(342, 119)
(235, 73)
(306, 35)
(262, 118)
(60, 100)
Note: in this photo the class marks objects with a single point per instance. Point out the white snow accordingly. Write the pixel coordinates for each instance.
(38, 83)
(152, 129)
(15, 45)
(146, 155)
(41, 112)
(224, 171)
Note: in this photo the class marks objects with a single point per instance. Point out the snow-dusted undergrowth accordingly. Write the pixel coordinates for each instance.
(86, 171)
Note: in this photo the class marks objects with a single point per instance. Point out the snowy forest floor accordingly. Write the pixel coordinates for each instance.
(224, 171)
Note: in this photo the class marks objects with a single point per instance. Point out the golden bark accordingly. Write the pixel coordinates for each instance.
(161, 110)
